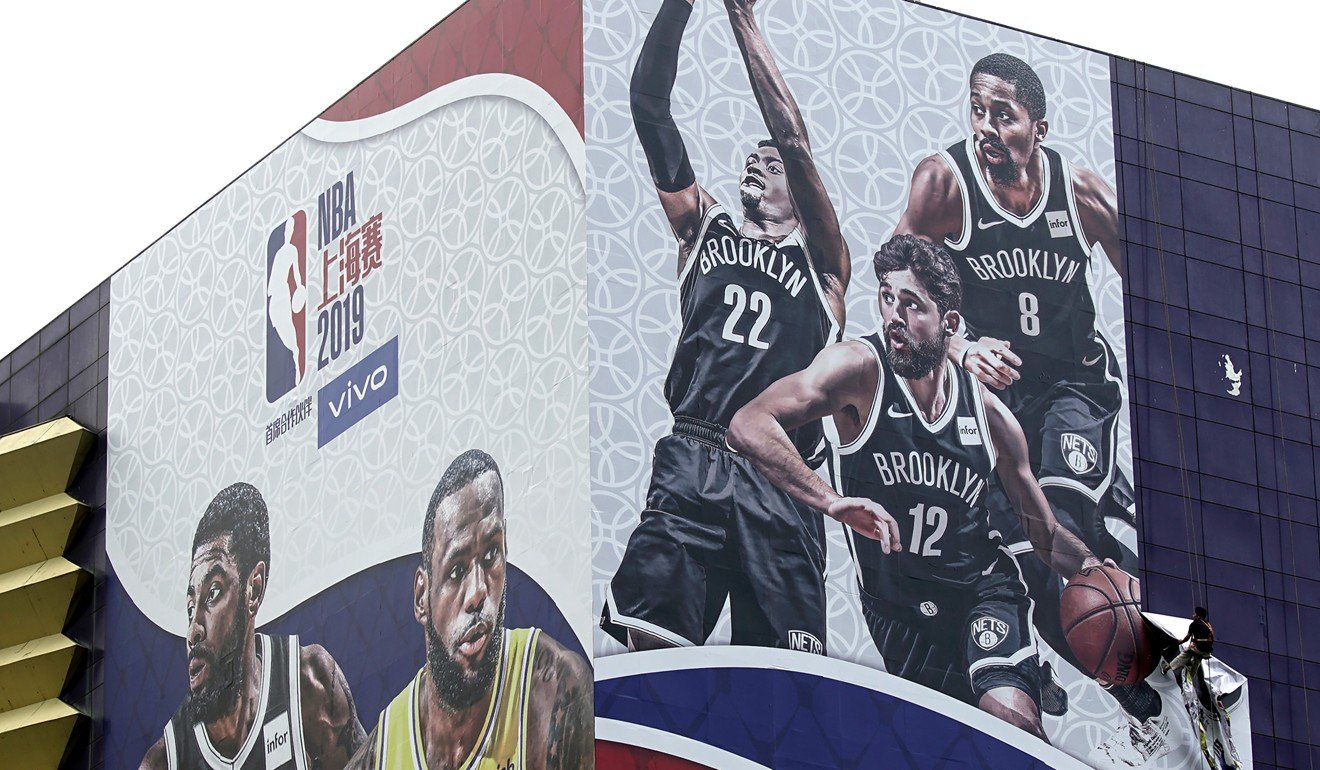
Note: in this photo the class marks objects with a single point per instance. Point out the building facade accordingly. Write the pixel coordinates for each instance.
(547, 345)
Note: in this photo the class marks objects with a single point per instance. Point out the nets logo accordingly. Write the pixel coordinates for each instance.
(989, 632)
(805, 642)
(929, 609)
(1079, 453)
(286, 306)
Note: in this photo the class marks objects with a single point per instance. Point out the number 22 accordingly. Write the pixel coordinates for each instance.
(760, 305)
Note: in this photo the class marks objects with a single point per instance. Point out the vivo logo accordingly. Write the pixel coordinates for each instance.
(365, 387)
(375, 382)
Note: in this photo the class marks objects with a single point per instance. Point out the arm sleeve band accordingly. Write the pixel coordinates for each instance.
(652, 83)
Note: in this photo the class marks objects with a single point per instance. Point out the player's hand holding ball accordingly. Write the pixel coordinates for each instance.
(1101, 617)
(869, 519)
(992, 362)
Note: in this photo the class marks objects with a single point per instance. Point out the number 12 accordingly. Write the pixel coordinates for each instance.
(931, 517)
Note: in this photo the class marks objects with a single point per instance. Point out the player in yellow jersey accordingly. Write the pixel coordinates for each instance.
(488, 698)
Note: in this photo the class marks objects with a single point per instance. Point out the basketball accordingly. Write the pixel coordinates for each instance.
(1101, 616)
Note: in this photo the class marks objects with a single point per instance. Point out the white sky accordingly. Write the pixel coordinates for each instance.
(123, 118)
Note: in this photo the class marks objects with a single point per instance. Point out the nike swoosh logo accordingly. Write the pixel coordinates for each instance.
(981, 224)
(893, 413)
(1092, 361)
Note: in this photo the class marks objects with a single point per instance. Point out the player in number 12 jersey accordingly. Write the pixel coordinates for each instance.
(918, 439)
(758, 300)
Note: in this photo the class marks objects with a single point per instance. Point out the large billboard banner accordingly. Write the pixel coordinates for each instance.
(667, 384)
(858, 396)
(348, 448)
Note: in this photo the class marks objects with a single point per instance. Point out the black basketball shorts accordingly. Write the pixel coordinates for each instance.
(963, 643)
(1071, 428)
(714, 530)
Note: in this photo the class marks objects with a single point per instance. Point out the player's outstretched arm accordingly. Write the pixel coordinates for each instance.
(156, 759)
(563, 709)
(783, 119)
(1052, 542)
(331, 728)
(683, 200)
(1097, 207)
(840, 378)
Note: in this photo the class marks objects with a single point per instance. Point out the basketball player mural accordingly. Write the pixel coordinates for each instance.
(254, 700)
(919, 442)
(1024, 225)
(487, 696)
(757, 301)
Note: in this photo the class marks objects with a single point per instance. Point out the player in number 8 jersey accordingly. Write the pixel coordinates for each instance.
(918, 439)
(758, 300)
(1027, 230)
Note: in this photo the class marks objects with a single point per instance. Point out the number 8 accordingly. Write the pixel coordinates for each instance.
(1030, 307)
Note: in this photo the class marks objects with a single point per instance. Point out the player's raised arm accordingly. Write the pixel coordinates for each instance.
(835, 381)
(331, 728)
(783, 119)
(1097, 207)
(1052, 542)
(649, 93)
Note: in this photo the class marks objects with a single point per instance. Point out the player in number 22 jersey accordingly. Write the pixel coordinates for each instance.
(759, 299)
(752, 312)
(917, 440)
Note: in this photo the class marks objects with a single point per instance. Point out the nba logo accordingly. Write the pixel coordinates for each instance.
(286, 306)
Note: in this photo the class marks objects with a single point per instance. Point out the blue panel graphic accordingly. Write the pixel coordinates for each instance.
(782, 718)
(358, 392)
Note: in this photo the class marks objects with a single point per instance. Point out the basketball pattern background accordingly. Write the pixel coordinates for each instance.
(481, 281)
(881, 85)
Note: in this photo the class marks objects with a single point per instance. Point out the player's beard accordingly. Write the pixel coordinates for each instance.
(226, 677)
(917, 358)
(1006, 170)
(458, 690)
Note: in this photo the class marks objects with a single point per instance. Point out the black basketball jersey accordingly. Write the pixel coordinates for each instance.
(276, 738)
(1026, 279)
(752, 311)
(931, 477)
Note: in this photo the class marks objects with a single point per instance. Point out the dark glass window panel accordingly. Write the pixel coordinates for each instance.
(1232, 535)
(1278, 227)
(1244, 140)
(1226, 452)
(1209, 171)
(1273, 150)
(1205, 131)
(1210, 210)
(1216, 290)
(1267, 110)
(54, 368)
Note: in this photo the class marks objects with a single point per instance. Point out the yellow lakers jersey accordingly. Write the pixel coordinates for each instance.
(501, 744)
